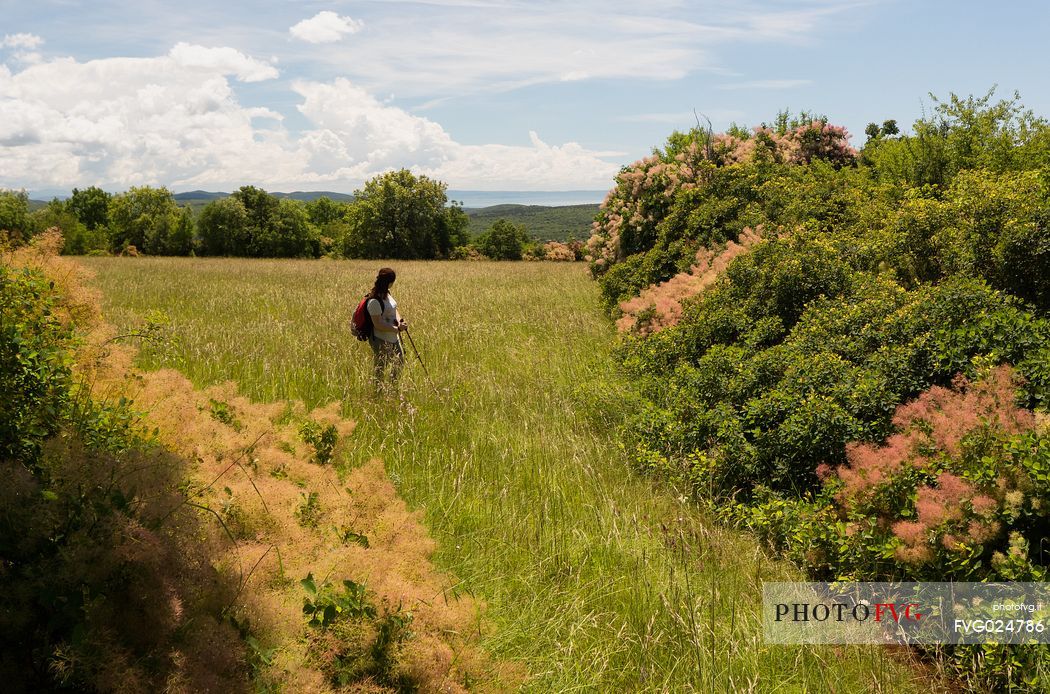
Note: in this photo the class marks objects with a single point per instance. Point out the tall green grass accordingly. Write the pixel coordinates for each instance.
(595, 579)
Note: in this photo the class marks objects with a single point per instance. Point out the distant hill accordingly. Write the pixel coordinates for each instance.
(543, 223)
(544, 198)
(305, 196)
(197, 195)
(314, 194)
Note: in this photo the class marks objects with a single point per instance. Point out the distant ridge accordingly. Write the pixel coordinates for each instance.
(543, 222)
(542, 198)
(198, 195)
(305, 196)
(308, 196)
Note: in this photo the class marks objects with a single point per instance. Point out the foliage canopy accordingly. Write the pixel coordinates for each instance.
(914, 271)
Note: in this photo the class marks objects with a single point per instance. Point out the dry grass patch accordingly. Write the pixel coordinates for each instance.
(285, 517)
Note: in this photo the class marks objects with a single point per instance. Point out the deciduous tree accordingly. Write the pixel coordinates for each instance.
(401, 215)
(91, 206)
(223, 227)
(504, 240)
(146, 218)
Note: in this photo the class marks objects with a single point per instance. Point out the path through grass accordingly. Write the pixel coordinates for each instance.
(595, 580)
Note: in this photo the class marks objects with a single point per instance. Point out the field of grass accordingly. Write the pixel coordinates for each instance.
(594, 579)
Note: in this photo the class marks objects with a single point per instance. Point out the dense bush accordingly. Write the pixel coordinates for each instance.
(34, 364)
(804, 390)
(502, 241)
(961, 134)
(254, 223)
(106, 581)
(14, 217)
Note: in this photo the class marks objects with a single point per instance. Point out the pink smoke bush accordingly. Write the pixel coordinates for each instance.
(642, 196)
(558, 252)
(950, 511)
(660, 306)
(645, 190)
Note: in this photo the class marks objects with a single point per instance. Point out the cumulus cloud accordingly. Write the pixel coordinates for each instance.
(367, 130)
(25, 41)
(134, 121)
(176, 120)
(357, 136)
(222, 60)
(325, 27)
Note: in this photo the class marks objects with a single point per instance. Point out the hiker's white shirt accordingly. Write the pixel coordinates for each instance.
(382, 326)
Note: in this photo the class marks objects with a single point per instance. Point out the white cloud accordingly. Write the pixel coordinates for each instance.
(23, 45)
(455, 47)
(224, 60)
(24, 41)
(325, 27)
(457, 51)
(133, 121)
(368, 131)
(175, 120)
(356, 136)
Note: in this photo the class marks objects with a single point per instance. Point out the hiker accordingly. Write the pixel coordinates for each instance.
(387, 325)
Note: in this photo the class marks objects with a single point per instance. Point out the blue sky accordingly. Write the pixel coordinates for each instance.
(483, 94)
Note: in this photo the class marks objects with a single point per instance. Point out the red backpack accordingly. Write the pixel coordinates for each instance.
(361, 323)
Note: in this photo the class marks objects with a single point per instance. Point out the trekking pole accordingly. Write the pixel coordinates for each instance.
(422, 363)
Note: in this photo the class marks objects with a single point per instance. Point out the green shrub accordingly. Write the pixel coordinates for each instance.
(323, 438)
(348, 653)
(309, 511)
(93, 530)
(35, 363)
(874, 287)
(504, 240)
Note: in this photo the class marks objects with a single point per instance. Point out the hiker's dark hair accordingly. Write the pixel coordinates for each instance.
(384, 279)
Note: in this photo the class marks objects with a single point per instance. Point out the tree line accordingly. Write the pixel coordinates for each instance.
(395, 215)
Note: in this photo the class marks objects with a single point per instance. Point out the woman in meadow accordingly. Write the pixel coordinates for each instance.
(387, 325)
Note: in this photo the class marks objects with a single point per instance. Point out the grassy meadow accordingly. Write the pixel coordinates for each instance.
(594, 579)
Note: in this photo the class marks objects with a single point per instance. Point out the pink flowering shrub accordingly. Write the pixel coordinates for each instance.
(558, 252)
(946, 496)
(646, 190)
(643, 195)
(958, 493)
(800, 145)
(660, 305)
